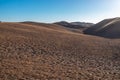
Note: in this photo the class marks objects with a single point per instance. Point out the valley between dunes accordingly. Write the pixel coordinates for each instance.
(30, 51)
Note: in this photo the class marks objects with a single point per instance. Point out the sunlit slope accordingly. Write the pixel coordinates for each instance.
(109, 28)
(31, 52)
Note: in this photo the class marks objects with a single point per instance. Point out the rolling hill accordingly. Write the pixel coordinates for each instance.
(39, 51)
(109, 28)
(60, 25)
(75, 25)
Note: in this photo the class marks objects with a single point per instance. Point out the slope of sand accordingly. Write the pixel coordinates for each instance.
(36, 52)
(109, 28)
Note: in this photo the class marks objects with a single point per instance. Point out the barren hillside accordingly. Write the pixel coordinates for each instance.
(37, 52)
(109, 28)
(74, 25)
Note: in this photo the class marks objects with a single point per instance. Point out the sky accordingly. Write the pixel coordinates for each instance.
(58, 10)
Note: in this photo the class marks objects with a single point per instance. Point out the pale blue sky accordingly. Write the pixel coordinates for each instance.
(58, 10)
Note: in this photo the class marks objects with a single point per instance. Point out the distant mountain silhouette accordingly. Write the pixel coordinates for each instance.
(109, 28)
(75, 25)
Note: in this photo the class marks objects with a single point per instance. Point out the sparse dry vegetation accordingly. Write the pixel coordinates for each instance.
(34, 52)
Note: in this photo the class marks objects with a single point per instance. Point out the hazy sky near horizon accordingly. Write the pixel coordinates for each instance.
(58, 10)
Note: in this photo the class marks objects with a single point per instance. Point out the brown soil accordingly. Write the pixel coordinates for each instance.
(36, 52)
